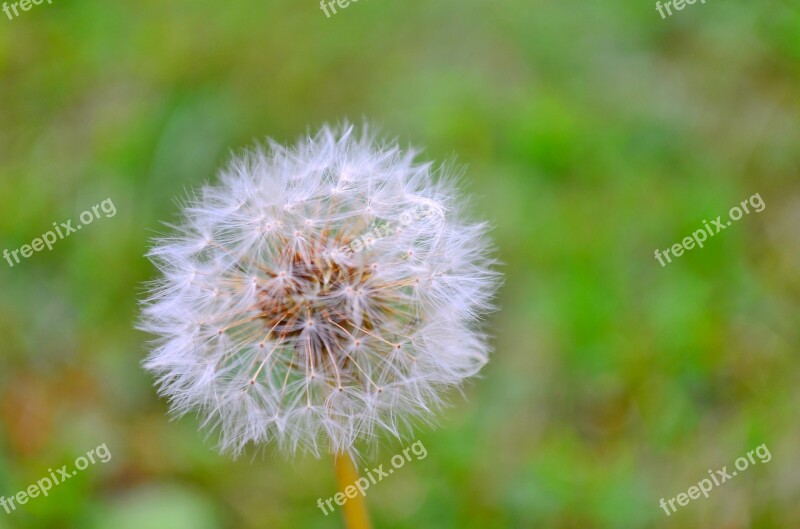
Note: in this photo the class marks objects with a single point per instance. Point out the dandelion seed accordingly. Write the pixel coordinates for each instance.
(301, 343)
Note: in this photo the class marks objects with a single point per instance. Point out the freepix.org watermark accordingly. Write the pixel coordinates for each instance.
(325, 5)
(677, 4)
(62, 230)
(25, 5)
(100, 454)
(373, 476)
(709, 230)
(427, 209)
(717, 478)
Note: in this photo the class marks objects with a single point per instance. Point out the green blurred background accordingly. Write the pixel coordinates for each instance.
(593, 132)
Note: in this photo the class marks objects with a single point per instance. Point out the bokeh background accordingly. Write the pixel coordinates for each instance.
(593, 133)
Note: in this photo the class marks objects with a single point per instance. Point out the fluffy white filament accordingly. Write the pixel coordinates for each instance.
(321, 294)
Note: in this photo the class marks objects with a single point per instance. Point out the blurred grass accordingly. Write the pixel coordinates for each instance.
(594, 133)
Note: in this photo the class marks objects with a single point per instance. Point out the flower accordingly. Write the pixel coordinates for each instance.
(318, 296)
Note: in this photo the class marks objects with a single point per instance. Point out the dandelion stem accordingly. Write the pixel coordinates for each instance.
(354, 509)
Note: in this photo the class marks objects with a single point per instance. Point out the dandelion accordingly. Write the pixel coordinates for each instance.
(319, 296)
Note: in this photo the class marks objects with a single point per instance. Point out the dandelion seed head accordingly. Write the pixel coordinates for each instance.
(319, 295)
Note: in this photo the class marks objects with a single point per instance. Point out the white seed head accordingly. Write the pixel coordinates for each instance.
(318, 296)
